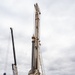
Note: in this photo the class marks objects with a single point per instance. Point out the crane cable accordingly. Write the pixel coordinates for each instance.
(41, 62)
(7, 54)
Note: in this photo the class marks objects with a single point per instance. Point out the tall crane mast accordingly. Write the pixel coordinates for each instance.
(35, 44)
(14, 66)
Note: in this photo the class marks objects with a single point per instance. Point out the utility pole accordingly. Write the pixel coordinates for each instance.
(35, 44)
(14, 66)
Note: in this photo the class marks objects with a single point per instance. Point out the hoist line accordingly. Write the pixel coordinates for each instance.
(7, 54)
(41, 63)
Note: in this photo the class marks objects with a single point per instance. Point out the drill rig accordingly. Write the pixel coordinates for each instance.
(14, 66)
(35, 70)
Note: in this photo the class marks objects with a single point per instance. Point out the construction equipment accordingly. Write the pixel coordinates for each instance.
(35, 44)
(14, 66)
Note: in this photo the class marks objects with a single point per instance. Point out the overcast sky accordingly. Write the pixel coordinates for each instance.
(57, 35)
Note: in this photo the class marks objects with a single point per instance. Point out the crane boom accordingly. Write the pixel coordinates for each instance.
(14, 66)
(13, 46)
(35, 44)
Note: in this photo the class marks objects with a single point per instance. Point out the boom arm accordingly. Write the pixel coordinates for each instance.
(14, 66)
(35, 44)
